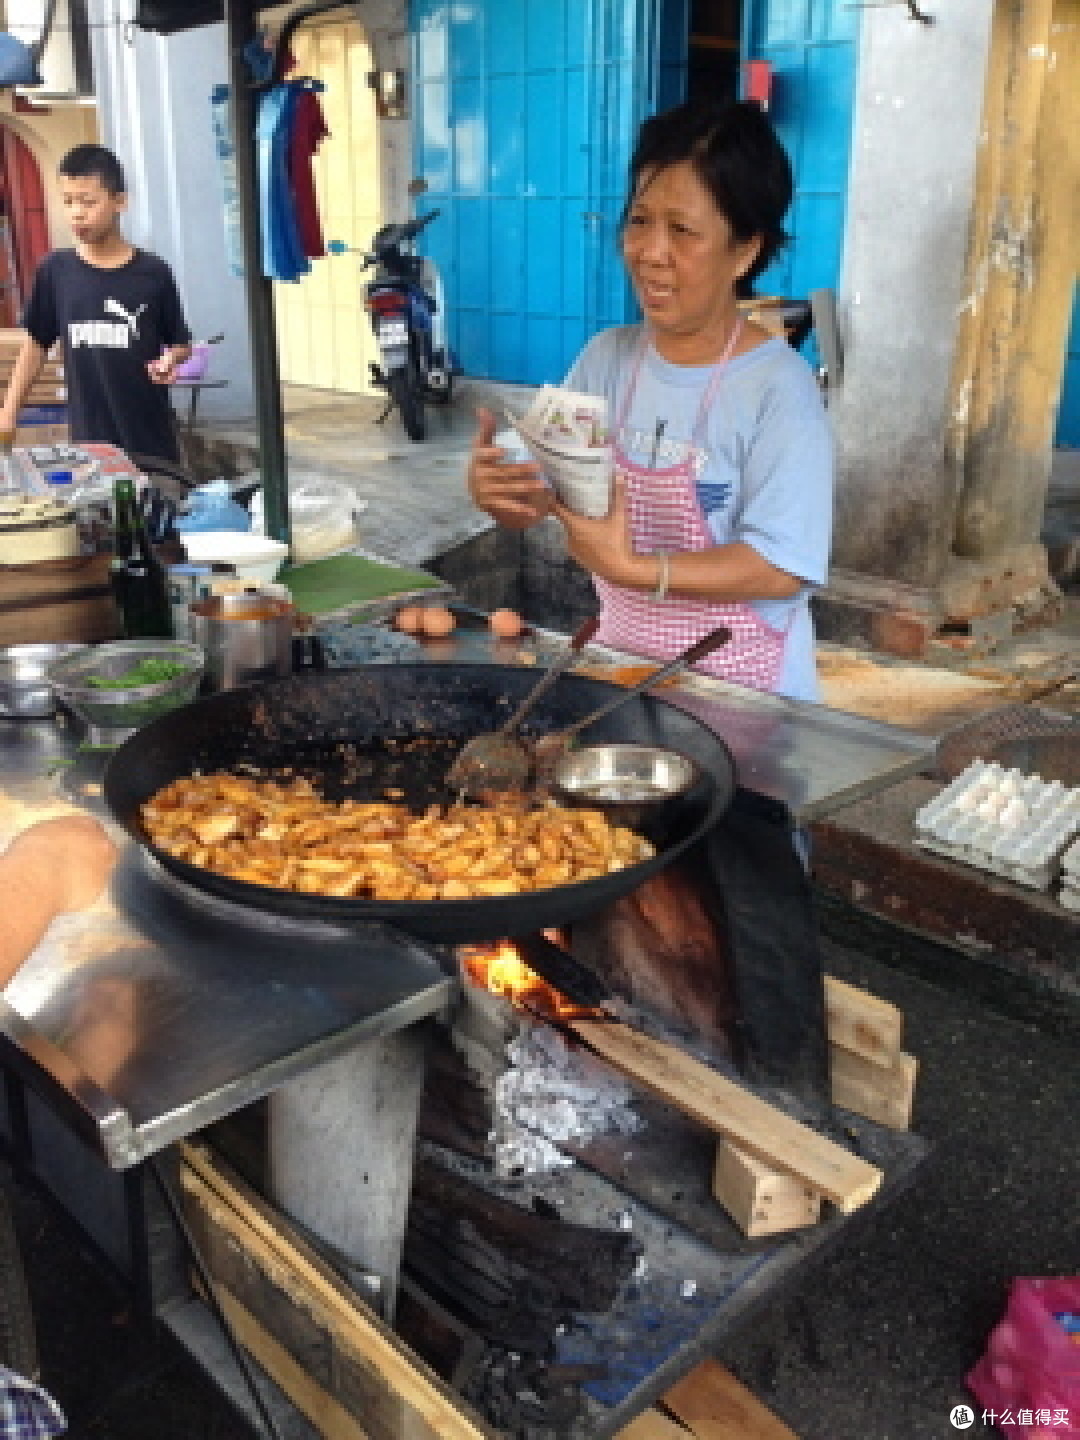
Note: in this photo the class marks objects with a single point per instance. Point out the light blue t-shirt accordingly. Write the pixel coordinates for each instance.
(764, 471)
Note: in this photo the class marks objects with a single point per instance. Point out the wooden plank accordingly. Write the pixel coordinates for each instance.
(883, 1094)
(292, 1318)
(721, 1105)
(268, 1235)
(761, 1200)
(652, 1425)
(327, 1415)
(713, 1405)
(863, 1023)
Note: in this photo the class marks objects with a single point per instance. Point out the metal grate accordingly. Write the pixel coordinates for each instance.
(1011, 735)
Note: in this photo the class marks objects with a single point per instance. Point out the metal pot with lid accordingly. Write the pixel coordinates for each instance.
(246, 637)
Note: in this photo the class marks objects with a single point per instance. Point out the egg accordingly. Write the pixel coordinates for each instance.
(506, 624)
(409, 619)
(436, 620)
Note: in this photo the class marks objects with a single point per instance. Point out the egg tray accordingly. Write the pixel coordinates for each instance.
(1003, 821)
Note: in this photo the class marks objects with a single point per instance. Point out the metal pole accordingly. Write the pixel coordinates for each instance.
(269, 418)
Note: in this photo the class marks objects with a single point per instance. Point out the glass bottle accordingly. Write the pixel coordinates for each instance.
(139, 583)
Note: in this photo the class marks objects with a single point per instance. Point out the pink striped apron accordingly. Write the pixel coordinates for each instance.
(666, 514)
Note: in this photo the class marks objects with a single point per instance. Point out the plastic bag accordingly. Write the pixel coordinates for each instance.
(1028, 1379)
(211, 507)
(321, 516)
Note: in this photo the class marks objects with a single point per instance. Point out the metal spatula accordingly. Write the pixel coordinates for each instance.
(549, 747)
(501, 760)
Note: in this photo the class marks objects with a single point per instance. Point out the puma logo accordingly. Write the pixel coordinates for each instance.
(105, 334)
(113, 307)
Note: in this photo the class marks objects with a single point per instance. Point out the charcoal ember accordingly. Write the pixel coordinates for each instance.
(527, 1399)
(510, 1274)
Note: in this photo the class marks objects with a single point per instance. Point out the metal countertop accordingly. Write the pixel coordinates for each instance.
(810, 759)
(156, 1012)
(153, 1014)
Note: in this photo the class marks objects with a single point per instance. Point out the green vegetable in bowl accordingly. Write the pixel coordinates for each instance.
(152, 671)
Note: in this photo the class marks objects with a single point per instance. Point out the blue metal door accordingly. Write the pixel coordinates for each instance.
(811, 45)
(524, 115)
(1068, 421)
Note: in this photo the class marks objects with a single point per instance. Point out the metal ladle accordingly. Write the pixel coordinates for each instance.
(549, 748)
(501, 760)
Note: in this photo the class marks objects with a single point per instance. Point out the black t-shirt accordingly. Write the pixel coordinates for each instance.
(112, 323)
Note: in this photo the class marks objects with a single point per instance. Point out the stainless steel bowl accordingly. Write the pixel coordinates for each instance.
(634, 785)
(113, 713)
(25, 692)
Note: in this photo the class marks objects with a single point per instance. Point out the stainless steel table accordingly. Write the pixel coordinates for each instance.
(808, 758)
(158, 1012)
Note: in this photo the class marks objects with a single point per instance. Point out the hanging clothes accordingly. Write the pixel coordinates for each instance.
(282, 248)
(308, 132)
(289, 222)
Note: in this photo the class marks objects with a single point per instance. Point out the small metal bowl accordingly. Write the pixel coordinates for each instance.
(25, 692)
(634, 785)
(113, 714)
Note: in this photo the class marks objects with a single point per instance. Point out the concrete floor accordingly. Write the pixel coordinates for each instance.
(411, 497)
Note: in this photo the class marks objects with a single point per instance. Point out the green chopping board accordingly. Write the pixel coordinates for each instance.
(341, 581)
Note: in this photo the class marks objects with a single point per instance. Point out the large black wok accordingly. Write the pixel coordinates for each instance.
(355, 732)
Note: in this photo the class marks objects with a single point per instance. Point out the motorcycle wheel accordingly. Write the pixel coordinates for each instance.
(404, 387)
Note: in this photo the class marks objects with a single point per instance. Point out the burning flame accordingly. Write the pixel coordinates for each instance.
(500, 969)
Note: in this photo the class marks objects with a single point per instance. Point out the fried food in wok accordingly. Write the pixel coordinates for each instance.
(284, 834)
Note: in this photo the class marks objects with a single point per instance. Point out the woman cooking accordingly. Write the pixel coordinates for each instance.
(722, 505)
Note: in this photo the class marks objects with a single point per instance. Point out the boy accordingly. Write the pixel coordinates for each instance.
(118, 312)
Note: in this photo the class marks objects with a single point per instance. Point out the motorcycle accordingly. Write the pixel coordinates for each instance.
(404, 301)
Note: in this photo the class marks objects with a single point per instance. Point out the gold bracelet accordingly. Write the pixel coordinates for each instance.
(663, 578)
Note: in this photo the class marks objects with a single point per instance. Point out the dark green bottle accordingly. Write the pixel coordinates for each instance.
(139, 583)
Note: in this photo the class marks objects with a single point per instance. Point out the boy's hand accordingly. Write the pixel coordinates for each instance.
(162, 371)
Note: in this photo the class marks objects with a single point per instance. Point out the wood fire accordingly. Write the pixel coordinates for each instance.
(500, 969)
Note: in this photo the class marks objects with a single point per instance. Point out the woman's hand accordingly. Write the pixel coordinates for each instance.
(605, 547)
(516, 496)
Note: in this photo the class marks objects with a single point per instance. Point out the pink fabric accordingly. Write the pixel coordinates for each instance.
(666, 514)
(1028, 1379)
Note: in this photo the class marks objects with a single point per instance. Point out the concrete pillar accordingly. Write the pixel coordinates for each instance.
(1023, 258)
(917, 116)
(340, 1151)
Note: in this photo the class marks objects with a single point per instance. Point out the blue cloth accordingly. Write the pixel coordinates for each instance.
(765, 474)
(283, 256)
(26, 1411)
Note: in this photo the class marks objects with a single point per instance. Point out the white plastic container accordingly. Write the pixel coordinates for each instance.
(255, 557)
